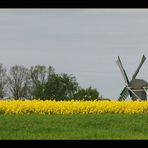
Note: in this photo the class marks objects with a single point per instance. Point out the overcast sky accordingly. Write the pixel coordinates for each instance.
(82, 42)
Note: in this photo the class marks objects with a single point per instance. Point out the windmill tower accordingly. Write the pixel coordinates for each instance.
(136, 88)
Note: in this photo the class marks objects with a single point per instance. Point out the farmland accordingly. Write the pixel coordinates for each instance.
(38, 119)
(72, 107)
(90, 126)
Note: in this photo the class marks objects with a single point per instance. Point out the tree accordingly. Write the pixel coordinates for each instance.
(61, 86)
(3, 81)
(87, 94)
(39, 75)
(40, 82)
(18, 79)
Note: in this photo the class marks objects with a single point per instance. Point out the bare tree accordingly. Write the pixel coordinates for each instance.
(39, 75)
(3, 81)
(18, 80)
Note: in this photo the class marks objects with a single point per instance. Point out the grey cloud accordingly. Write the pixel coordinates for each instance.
(82, 42)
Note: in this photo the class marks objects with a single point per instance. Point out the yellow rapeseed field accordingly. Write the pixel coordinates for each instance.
(72, 107)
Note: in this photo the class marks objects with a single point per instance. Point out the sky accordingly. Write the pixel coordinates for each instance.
(81, 42)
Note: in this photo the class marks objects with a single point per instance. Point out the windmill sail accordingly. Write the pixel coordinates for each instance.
(122, 71)
(129, 89)
(136, 72)
(125, 92)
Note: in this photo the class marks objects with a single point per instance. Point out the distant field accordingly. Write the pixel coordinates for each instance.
(72, 107)
(77, 126)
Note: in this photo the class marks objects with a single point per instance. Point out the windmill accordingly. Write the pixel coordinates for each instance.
(136, 88)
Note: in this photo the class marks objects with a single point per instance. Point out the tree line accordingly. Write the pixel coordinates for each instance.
(41, 82)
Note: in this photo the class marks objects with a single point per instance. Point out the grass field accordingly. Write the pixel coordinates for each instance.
(68, 127)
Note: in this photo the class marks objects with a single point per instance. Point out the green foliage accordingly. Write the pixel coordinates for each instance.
(87, 94)
(41, 82)
(61, 86)
(39, 76)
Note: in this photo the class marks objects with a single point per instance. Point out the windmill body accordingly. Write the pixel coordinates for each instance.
(136, 88)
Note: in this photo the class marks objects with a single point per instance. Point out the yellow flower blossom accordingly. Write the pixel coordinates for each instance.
(72, 107)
